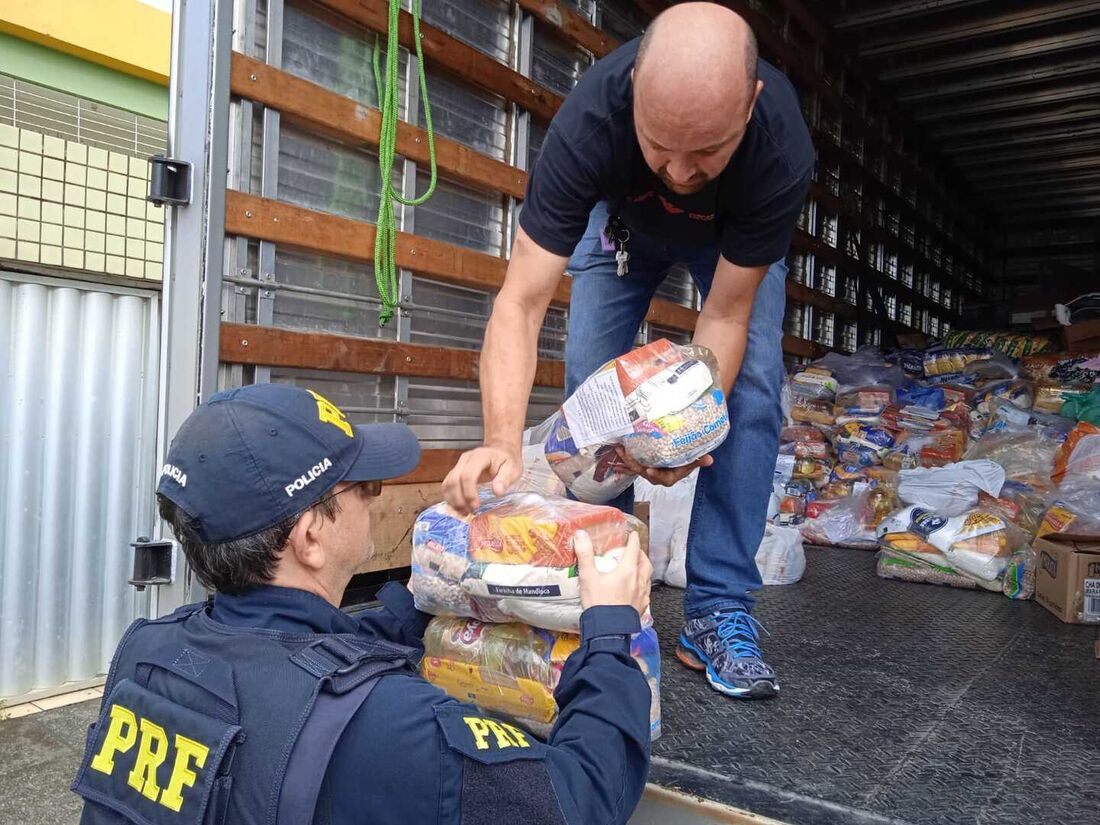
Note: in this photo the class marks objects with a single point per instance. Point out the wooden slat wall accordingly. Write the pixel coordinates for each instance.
(274, 346)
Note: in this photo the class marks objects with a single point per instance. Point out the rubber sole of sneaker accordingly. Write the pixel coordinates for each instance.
(760, 689)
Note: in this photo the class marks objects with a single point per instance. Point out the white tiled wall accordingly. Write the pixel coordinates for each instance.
(66, 204)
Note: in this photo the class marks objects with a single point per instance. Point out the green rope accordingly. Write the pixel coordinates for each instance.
(385, 238)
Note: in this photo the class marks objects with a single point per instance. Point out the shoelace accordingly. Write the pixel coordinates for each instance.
(740, 631)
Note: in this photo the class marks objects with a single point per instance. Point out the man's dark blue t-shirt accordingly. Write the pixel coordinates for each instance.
(591, 154)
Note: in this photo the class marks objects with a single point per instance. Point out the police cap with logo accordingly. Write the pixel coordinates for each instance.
(251, 457)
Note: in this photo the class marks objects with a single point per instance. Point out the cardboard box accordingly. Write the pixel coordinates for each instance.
(1067, 577)
(1084, 336)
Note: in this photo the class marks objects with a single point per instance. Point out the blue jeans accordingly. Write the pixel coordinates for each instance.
(731, 498)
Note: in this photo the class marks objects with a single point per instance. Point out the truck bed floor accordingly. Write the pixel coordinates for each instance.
(899, 703)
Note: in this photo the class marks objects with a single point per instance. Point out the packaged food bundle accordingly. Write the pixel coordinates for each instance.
(780, 557)
(863, 402)
(862, 444)
(812, 411)
(928, 568)
(943, 447)
(949, 361)
(662, 403)
(1074, 507)
(513, 559)
(977, 543)
(1027, 456)
(1018, 503)
(1080, 454)
(794, 434)
(806, 449)
(513, 669)
(850, 521)
(1012, 344)
(814, 382)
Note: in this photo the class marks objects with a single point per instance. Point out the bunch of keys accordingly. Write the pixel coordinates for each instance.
(615, 237)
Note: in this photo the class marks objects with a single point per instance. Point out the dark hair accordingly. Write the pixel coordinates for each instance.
(752, 52)
(241, 564)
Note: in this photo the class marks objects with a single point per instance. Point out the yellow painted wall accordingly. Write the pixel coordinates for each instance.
(128, 35)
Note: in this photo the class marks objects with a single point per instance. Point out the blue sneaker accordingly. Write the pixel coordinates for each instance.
(725, 645)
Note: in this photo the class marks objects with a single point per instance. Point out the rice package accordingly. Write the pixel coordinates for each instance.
(513, 669)
(512, 559)
(976, 543)
(662, 403)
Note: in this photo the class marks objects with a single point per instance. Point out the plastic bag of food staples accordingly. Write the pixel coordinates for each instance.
(662, 403)
(863, 402)
(513, 669)
(899, 566)
(513, 558)
(1080, 454)
(1074, 507)
(977, 543)
(1027, 456)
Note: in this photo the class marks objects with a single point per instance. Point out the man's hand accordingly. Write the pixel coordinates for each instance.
(661, 476)
(499, 463)
(627, 583)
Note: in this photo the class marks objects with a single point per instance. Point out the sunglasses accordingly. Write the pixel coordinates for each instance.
(364, 489)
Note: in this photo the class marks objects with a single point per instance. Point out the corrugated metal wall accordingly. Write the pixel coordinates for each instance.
(78, 395)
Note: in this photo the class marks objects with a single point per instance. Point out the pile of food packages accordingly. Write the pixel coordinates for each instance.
(502, 582)
(949, 461)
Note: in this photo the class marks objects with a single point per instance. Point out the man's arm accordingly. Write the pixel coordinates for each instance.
(508, 360)
(723, 325)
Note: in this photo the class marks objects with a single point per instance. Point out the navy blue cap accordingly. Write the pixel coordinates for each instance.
(250, 457)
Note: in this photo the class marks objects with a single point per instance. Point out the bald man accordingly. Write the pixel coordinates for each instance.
(680, 149)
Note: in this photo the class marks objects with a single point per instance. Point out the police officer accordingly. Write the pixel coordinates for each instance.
(268, 704)
(679, 149)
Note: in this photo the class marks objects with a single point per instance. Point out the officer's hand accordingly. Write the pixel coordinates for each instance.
(627, 582)
(663, 477)
(499, 463)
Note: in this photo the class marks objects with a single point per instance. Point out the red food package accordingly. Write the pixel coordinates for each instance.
(803, 433)
(638, 366)
(530, 529)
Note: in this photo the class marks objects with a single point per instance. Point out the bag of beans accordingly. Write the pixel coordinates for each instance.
(661, 404)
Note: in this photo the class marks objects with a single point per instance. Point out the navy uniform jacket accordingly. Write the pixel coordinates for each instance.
(414, 755)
